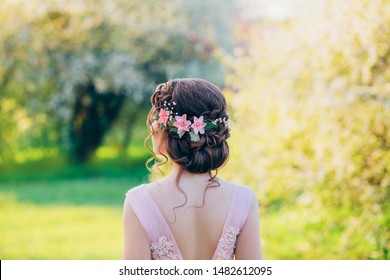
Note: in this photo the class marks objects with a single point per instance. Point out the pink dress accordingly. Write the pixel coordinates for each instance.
(162, 242)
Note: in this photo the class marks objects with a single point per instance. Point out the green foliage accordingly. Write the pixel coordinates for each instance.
(194, 137)
(309, 104)
(69, 69)
(92, 118)
(311, 130)
(106, 164)
(210, 125)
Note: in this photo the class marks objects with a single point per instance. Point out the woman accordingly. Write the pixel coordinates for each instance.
(190, 213)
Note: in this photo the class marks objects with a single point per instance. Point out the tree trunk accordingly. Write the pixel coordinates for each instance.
(92, 117)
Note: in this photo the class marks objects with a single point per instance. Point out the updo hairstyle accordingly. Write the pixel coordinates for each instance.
(194, 97)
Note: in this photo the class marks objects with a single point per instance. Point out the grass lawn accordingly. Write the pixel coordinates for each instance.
(76, 213)
(64, 218)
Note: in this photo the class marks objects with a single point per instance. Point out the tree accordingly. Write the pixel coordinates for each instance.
(312, 107)
(82, 63)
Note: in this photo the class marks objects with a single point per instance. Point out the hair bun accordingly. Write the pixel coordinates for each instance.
(215, 138)
(196, 98)
(199, 157)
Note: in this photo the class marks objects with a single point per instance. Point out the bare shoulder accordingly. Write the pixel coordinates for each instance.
(162, 191)
(246, 188)
(134, 190)
(155, 187)
(243, 188)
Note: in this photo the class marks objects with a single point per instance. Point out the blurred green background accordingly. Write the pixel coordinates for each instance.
(308, 90)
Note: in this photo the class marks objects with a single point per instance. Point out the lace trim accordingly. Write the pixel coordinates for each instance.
(229, 239)
(163, 249)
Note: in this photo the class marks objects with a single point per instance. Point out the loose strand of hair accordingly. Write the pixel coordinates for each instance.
(180, 190)
(212, 180)
(154, 157)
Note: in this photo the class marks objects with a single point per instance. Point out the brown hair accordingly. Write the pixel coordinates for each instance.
(194, 97)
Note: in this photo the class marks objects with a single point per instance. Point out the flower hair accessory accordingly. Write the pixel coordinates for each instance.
(167, 118)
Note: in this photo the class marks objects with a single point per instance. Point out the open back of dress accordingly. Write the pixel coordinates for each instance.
(162, 242)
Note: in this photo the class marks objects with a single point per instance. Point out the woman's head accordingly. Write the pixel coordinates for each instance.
(195, 98)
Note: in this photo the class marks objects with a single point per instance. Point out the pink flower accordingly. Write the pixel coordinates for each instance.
(198, 125)
(163, 117)
(182, 124)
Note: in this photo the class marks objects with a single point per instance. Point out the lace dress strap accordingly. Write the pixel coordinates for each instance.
(161, 240)
(235, 221)
(146, 213)
(241, 206)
